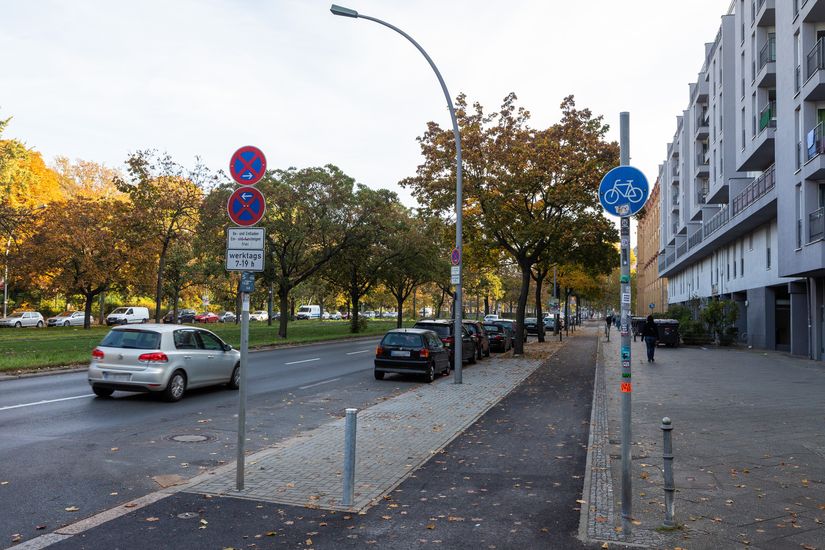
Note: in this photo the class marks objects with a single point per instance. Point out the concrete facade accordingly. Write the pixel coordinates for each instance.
(743, 185)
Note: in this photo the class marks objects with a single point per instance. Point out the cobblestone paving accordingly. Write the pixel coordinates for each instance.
(393, 439)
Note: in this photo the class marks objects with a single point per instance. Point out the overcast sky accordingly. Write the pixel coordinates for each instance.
(97, 79)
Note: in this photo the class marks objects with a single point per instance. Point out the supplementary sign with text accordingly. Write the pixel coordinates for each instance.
(245, 238)
(244, 260)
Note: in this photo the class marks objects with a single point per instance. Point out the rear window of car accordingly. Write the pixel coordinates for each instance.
(132, 339)
(402, 339)
(493, 328)
(441, 330)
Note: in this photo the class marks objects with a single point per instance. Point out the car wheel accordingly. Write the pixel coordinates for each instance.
(471, 358)
(103, 392)
(18, 325)
(430, 376)
(176, 387)
(446, 371)
(65, 323)
(378, 375)
(235, 381)
(39, 324)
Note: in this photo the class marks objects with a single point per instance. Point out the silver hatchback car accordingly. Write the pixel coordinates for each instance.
(167, 359)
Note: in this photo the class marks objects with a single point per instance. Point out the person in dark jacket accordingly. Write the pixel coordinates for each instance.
(650, 334)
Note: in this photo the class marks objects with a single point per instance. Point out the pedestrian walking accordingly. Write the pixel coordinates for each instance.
(607, 322)
(650, 334)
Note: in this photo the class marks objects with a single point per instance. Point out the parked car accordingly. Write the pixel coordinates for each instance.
(445, 330)
(368, 314)
(500, 337)
(549, 324)
(259, 315)
(411, 351)
(490, 317)
(226, 317)
(206, 317)
(389, 315)
(331, 315)
(531, 325)
(128, 315)
(69, 319)
(20, 319)
(510, 324)
(476, 330)
(308, 312)
(165, 359)
(184, 316)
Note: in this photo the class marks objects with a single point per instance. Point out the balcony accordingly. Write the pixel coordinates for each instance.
(767, 116)
(702, 126)
(812, 11)
(720, 219)
(681, 250)
(702, 88)
(695, 240)
(674, 172)
(816, 225)
(753, 192)
(766, 74)
(765, 13)
(661, 259)
(814, 87)
(674, 200)
(702, 165)
(814, 145)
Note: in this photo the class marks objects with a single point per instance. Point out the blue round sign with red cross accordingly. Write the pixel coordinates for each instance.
(247, 165)
(246, 206)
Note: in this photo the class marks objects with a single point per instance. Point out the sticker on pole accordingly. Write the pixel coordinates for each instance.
(247, 165)
(246, 206)
(623, 191)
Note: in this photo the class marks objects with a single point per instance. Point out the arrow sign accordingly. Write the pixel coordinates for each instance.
(246, 206)
(247, 165)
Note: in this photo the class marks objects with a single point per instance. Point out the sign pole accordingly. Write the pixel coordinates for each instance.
(625, 384)
(239, 474)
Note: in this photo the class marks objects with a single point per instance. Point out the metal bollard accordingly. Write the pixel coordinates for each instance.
(667, 456)
(349, 456)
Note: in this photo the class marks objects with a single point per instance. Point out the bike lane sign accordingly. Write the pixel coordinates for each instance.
(623, 191)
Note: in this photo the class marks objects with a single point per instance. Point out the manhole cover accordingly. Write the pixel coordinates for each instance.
(189, 438)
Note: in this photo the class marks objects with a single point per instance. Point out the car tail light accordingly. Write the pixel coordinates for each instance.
(97, 354)
(154, 357)
(424, 353)
(497, 337)
(448, 340)
(379, 351)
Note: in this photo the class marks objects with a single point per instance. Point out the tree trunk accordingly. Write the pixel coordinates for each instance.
(486, 304)
(399, 300)
(283, 298)
(353, 322)
(539, 315)
(159, 287)
(522, 308)
(415, 311)
(321, 308)
(440, 304)
(269, 303)
(87, 309)
(102, 319)
(566, 312)
(175, 298)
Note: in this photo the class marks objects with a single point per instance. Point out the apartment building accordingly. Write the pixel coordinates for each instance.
(742, 206)
(650, 288)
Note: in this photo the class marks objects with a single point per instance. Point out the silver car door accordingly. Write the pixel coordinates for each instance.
(188, 351)
(217, 361)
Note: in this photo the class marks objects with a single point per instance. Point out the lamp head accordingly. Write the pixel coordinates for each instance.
(342, 11)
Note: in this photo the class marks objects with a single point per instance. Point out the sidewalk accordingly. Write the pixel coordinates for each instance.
(749, 447)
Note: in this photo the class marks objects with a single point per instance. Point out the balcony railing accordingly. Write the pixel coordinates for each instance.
(816, 225)
(702, 120)
(675, 200)
(695, 239)
(662, 263)
(718, 220)
(756, 189)
(767, 116)
(671, 259)
(815, 59)
(814, 143)
(797, 79)
(768, 52)
(701, 196)
(681, 250)
(674, 228)
(701, 160)
(674, 171)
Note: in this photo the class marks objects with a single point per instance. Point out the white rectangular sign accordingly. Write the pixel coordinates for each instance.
(455, 279)
(245, 238)
(244, 260)
(626, 298)
(455, 270)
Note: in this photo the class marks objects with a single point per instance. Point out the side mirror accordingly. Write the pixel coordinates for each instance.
(227, 347)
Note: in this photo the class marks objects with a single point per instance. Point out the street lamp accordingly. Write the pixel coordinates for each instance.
(458, 340)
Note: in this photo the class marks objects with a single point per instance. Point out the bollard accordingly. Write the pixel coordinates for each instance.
(349, 456)
(667, 457)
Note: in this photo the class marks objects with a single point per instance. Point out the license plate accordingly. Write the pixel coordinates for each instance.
(116, 377)
(399, 353)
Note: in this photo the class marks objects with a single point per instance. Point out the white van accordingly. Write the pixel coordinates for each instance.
(128, 315)
(308, 312)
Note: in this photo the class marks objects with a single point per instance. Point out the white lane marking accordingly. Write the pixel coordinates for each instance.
(359, 351)
(302, 361)
(45, 402)
(319, 383)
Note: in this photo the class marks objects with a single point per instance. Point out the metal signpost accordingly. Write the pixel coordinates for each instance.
(245, 253)
(458, 341)
(623, 191)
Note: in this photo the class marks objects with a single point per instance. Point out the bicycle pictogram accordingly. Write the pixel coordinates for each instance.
(623, 190)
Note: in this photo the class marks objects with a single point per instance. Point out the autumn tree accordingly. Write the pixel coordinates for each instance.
(83, 178)
(520, 183)
(166, 199)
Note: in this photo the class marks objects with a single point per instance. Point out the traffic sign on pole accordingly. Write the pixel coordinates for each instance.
(246, 206)
(247, 165)
(623, 191)
(455, 256)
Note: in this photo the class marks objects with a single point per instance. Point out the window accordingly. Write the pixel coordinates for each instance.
(742, 257)
(210, 341)
(768, 248)
(185, 339)
(798, 201)
(750, 241)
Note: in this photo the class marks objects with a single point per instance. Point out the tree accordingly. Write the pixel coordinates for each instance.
(84, 247)
(521, 184)
(84, 178)
(166, 199)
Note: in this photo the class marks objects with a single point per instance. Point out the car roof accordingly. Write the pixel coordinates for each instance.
(409, 330)
(156, 327)
(435, 321)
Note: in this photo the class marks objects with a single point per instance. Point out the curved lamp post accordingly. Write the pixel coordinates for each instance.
(458, 340)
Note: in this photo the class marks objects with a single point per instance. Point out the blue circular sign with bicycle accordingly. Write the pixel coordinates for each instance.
(623, 191)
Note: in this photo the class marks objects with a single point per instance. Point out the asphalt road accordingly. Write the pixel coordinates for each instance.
(60, 447)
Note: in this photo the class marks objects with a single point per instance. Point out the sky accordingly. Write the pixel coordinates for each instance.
(99, 79)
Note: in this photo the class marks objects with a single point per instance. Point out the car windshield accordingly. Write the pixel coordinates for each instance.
(120, 310)
(66, 314)
(402, 339)
(304, 309)
(133, 339)
(472, 329)
(16, 314)
(441, 330)
(530, 320)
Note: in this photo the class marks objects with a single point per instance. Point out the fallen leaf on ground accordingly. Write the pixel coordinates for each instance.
(431, 526)
(72, 509)
(153, 518)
